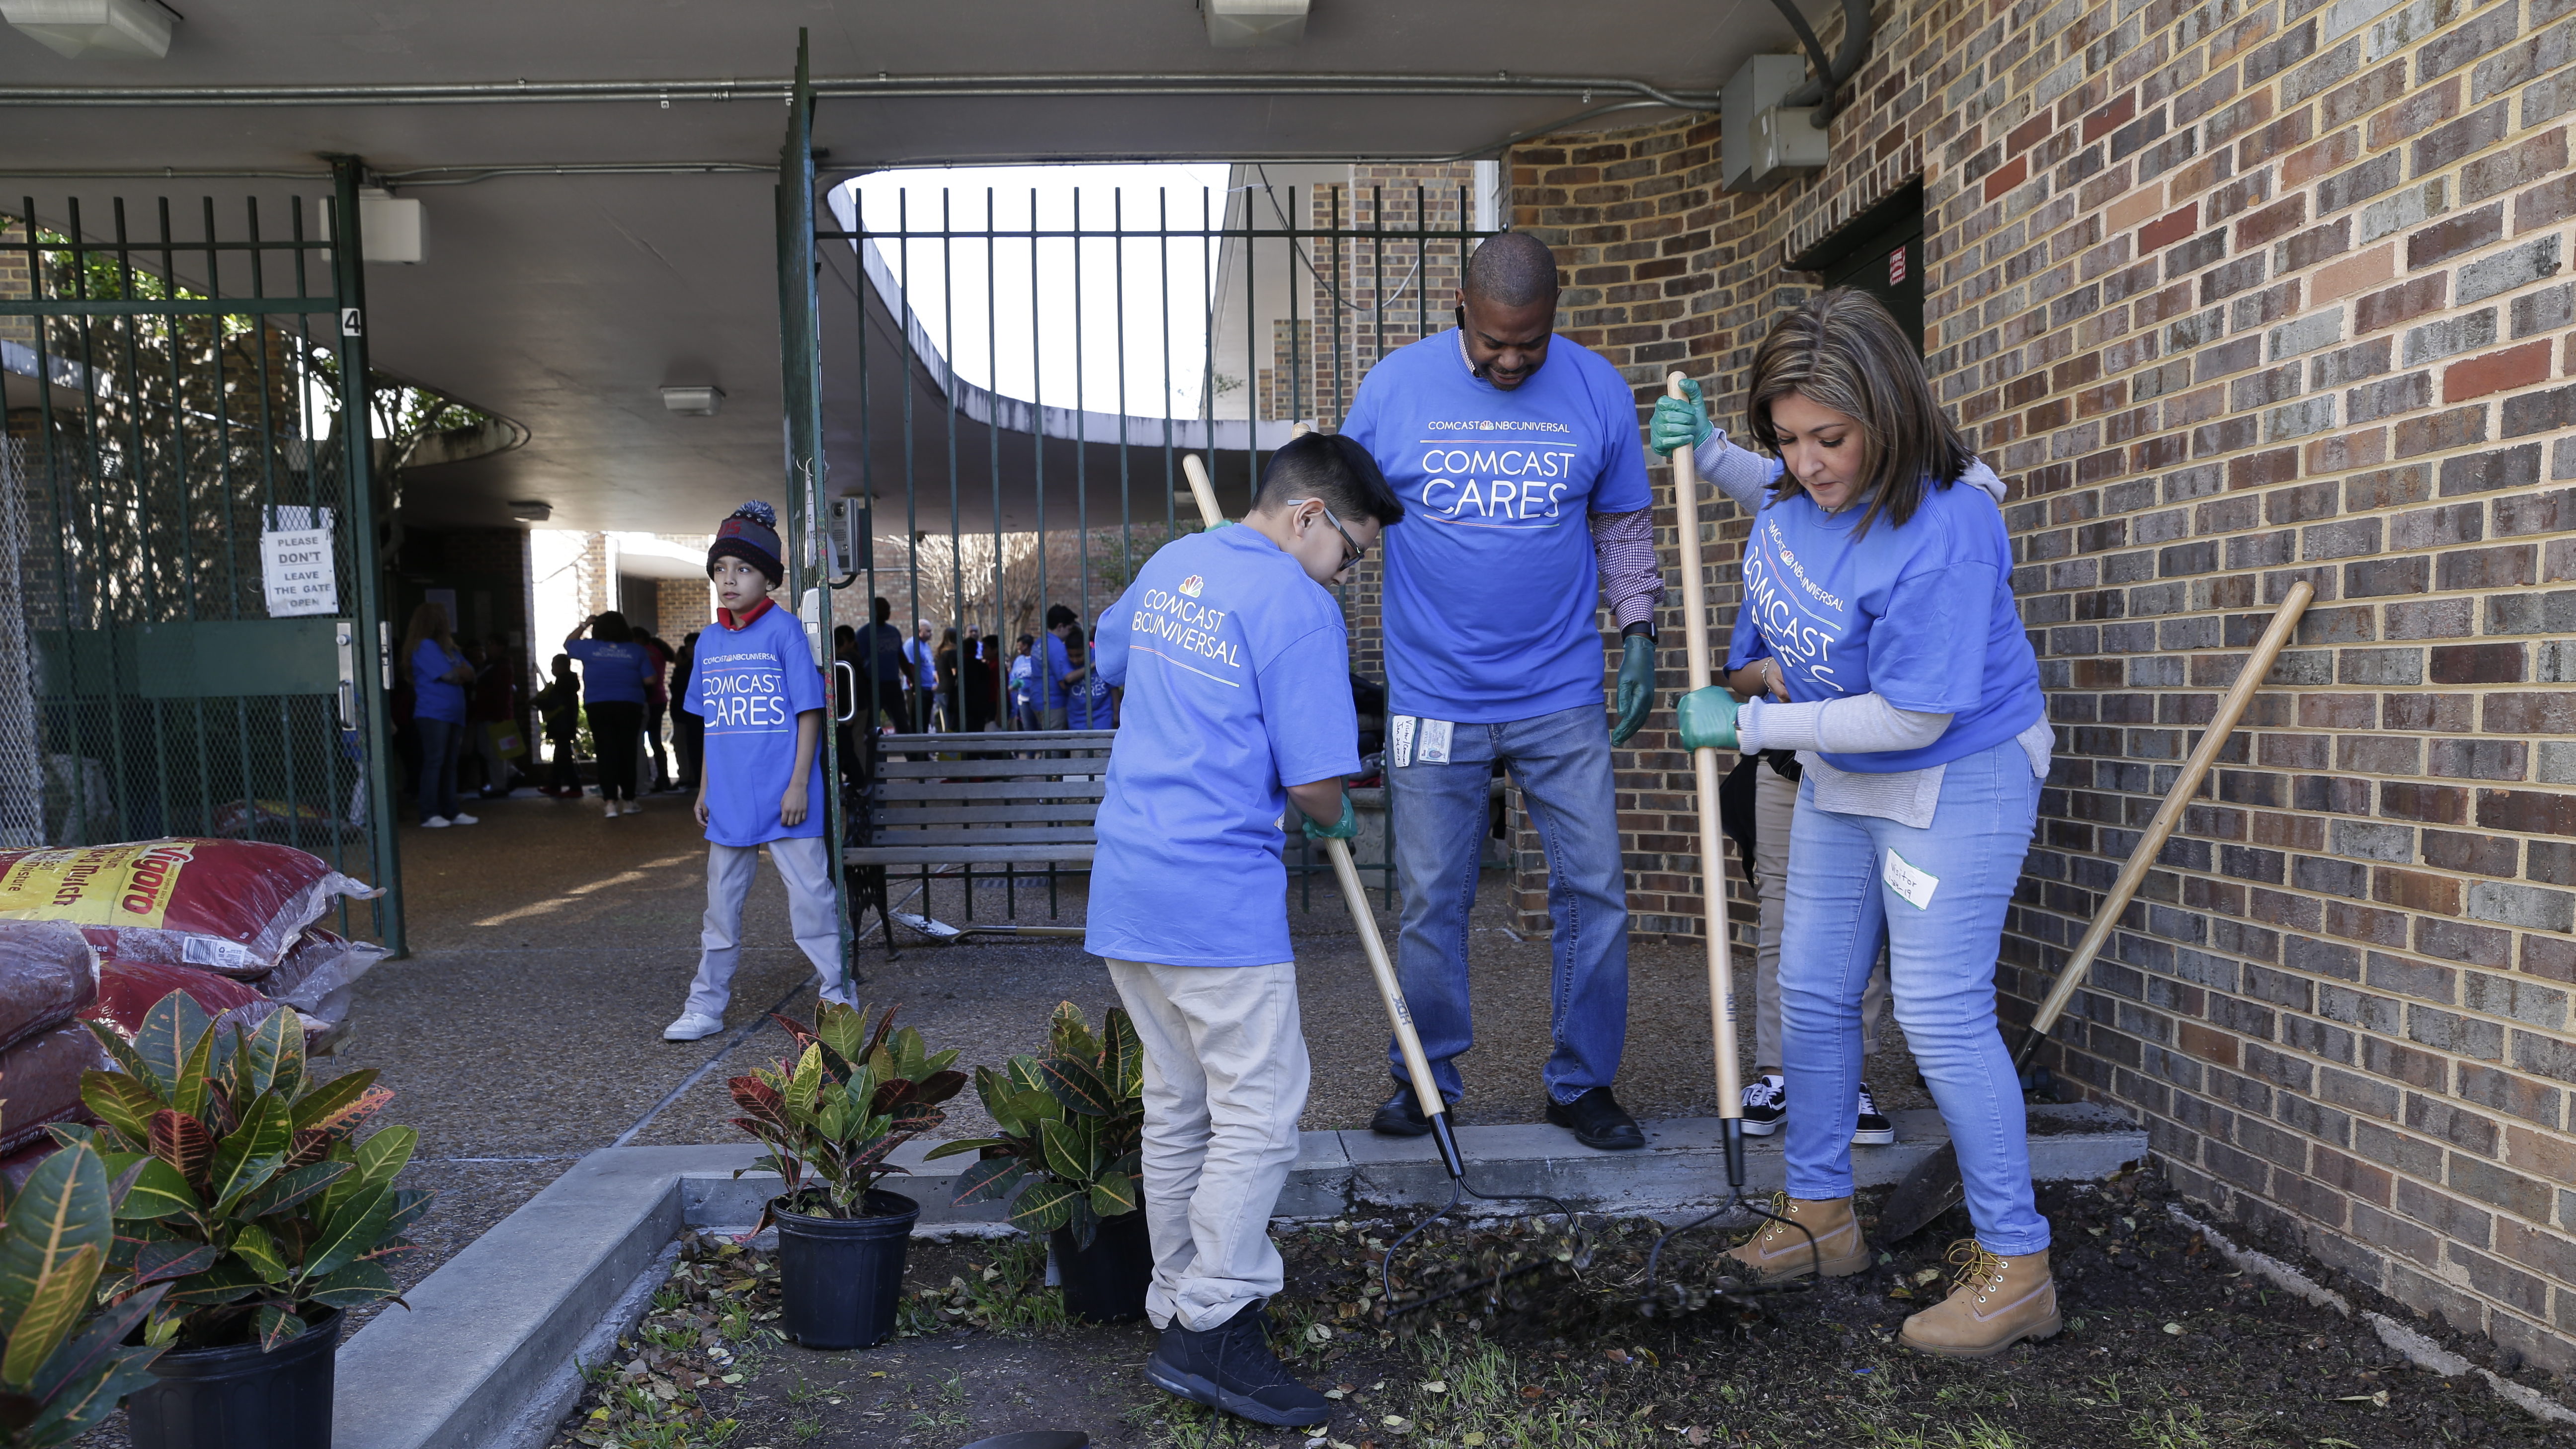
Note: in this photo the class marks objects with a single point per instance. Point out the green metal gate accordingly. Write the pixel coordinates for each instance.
(989, 508)
(193, 644)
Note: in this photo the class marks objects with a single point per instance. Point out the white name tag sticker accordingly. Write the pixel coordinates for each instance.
(1915, 886)
(1399, 731)
(1435, 741)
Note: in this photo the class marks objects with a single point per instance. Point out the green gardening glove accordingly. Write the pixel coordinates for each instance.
(1346, 828)
(1706, 719)
(1678, 424)
(1636, 698)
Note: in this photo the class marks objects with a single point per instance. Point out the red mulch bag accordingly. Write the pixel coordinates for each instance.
(18, 1166)
(318, 971)
(129, 989)
(47, 974)
(231, 906)
(41, 1079)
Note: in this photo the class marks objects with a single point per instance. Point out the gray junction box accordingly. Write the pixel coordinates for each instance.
(1761, 143)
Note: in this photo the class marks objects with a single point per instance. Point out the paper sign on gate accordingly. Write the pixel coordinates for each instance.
(299, 571)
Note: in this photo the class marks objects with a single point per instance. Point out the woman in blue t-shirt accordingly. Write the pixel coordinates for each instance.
(615, 673)
(1878, 609)
(439, 675)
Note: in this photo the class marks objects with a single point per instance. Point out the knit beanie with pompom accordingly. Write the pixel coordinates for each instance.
(751, 535)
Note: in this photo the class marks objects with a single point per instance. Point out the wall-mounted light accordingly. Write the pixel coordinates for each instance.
(531, 510)
(133, 29)
(393, 228)
(1247, 24)
(693, 402)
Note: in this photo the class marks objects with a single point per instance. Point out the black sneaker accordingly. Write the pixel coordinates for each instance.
(1229, 1368)
(1766, 1105)
(1401, 1115)
(1870, 1128)
(1598, 1121)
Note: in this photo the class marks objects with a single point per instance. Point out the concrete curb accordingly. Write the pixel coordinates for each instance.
(2414, 1347)
(1679, 1174)
(489, 1353)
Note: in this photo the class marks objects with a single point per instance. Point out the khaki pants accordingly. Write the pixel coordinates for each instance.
(812, 914)
(1225, 1080)
(1775, 807)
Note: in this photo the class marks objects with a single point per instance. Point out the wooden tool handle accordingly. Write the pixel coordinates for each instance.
(1712, 834)
(1202, 490)
(2106, 917)
(1408, 1041)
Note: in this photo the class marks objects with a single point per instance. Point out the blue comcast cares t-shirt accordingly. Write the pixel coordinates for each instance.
(749, 684)
(1237, 674)
(1491, 585)
(1921, 615)
(611, 673)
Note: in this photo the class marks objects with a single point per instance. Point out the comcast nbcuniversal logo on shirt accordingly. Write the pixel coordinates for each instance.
(1498, 425)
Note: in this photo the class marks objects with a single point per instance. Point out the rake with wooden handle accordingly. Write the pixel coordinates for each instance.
(1934, 1187)
(1426, 1090)
(1712, 858)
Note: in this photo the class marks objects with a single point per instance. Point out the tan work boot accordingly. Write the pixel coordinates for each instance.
(1994, 1303)
(1780, 1251)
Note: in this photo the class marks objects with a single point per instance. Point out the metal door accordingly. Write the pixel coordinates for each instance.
(192, 644)
(990, 507)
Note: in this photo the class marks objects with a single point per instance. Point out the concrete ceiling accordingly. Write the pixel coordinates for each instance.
(564, 302)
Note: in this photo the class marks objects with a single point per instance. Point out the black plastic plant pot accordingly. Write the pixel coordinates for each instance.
(1105, 1283)
(841, 1277)
(239, 1397)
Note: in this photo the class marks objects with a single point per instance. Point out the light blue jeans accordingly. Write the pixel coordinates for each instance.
(1562, 763)
(1942, 971)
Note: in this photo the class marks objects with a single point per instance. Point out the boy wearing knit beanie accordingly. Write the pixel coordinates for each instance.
(754, 682)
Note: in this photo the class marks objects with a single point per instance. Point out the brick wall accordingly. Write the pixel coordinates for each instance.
(2233, 295)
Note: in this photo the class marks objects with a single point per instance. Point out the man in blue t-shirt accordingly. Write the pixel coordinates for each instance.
(1238, 703)
(1067, 683)
(1517, 457)
(753, 680)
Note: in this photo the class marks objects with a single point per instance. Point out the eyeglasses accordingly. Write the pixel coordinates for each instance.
(1352, 551)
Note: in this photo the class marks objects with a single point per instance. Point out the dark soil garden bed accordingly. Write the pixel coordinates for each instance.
(2167, 1346)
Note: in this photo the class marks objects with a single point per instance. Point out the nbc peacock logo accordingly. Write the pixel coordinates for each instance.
(1192, 585)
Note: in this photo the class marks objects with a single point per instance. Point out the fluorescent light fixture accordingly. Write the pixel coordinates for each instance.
(693, 402)
(531, 510)
(134, 29)
(1247, 24)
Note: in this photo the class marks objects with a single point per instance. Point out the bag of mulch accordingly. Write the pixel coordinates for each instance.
(48, 973)
(18, 1166)
(128, 990)
(231, 906)
(41, 1079)
(318, 971)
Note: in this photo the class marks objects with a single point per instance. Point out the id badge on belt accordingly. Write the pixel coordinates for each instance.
(1410, 737)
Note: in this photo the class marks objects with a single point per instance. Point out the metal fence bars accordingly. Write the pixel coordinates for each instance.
(1052, 478)
(191, 645)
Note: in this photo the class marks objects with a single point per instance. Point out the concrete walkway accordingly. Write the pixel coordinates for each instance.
(551, 945)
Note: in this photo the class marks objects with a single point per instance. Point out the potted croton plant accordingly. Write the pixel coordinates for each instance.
(239, 1183)
(854, 1093)
(64, 1361)
(1071, 1124)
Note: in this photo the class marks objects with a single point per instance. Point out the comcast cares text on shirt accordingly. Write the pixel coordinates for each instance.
(745, 695)
(1495, 484)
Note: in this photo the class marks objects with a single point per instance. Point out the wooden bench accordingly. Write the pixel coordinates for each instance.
(928, 805)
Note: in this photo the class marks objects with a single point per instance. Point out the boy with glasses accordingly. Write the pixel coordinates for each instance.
(1236, 669)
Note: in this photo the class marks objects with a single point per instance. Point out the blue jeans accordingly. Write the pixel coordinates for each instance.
(1941, 969)
(441, 744)
(1562, 763)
